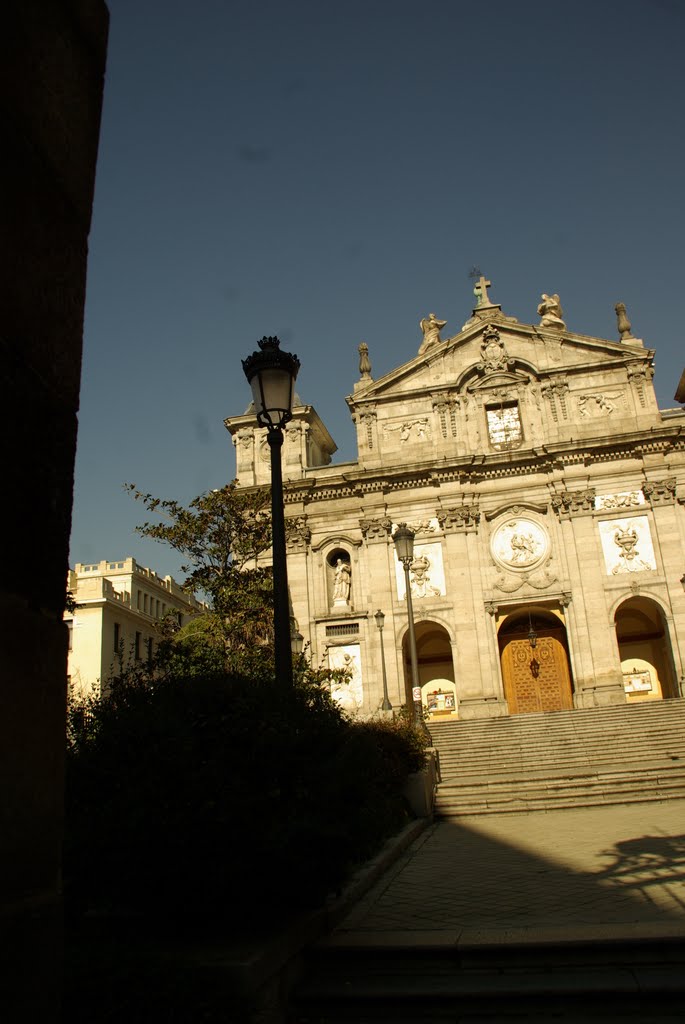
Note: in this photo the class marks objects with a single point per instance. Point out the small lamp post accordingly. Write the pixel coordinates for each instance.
(380, 620)
(271, 375)
(404, 547)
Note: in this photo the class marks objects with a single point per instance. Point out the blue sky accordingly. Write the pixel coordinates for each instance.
(330, 172)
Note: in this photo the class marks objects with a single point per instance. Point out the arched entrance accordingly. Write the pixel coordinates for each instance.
(535, 678)
(645, 650)
(436, 668)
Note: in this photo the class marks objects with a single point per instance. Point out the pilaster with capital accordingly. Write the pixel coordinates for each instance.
(298, 534)
(445, 410)
(592, 646)
(660, 492)
(477, 670)
(365, 418)
(640, 378)
(555, 392)
(460, 517)
(574, 503)
(375, 529)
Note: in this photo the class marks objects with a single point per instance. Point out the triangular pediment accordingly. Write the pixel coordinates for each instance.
(500, 352)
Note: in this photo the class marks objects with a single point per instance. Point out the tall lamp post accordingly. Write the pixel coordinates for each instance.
(271, 375)
(380, 620)
(404, 547)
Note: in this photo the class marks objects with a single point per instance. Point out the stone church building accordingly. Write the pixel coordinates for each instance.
(545, 489)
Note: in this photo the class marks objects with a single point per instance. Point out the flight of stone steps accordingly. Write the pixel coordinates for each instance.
(616, 755)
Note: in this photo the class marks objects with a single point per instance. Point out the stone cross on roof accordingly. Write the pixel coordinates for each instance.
(481, 291)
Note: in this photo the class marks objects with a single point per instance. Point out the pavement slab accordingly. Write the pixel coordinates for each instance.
(614, 871)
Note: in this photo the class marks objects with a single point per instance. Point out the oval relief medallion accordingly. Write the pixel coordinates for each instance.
(519, 543)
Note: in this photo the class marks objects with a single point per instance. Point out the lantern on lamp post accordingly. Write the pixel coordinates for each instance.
(403, 538)
(271, 374)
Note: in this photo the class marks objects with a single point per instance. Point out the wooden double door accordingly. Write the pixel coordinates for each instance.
(537, 679)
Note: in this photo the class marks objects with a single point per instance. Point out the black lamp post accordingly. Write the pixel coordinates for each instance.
(380, 620)
(404, 547)
(271, 375)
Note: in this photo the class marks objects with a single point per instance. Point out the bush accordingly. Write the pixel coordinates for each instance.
(225, 795)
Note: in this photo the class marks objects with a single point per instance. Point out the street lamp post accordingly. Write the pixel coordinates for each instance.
(271, 375)
(380, 620)
(404, 547)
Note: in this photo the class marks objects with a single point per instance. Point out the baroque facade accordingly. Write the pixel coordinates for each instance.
(545, 488)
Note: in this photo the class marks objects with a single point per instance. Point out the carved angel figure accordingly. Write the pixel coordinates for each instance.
(551, 312)
(431, 327)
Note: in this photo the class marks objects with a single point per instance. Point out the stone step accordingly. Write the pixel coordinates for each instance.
(470, 768)
(450, 813)
(663, 732)
(629, 754)
(516, 778)
(599, 719)
(503, 803)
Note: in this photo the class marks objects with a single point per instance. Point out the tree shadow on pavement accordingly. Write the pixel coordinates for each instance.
(474, 875)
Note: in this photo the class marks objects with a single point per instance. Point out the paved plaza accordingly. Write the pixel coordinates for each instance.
(608, 872)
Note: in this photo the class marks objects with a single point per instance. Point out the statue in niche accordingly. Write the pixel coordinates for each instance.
(551, 312)
(430, 327)
(341, 586)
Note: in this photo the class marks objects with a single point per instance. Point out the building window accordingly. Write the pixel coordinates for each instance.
(136, 647)
(70, 634)
(149, 652)
(504, 426)
(145, 602)
(117, 637)
(138, 600)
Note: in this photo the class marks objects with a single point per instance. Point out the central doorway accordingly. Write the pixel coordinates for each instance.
(535, 678)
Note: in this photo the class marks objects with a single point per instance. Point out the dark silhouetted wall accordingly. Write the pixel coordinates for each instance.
(52, 62)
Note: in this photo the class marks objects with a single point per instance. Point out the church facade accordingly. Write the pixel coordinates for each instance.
(546, 492)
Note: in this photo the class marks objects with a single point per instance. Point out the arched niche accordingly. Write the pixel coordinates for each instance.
(644, 648)
(339, 577)
(435, 662)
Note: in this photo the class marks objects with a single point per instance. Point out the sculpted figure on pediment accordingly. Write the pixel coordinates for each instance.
(551, 313)
(430, 328)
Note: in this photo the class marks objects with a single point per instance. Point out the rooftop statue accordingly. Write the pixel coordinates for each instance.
(551, 312)
(431, 328)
